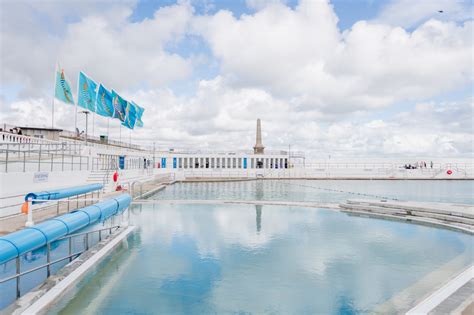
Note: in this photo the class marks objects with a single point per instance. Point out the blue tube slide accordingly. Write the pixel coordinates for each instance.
(62, 193)
(17, 243)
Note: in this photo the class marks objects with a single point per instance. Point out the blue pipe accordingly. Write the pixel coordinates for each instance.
(17, 243)
(62, 193)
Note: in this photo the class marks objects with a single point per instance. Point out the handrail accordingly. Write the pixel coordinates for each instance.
(48, 264)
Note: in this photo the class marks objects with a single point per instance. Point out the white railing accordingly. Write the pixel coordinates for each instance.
(36, 157)
(7, 137)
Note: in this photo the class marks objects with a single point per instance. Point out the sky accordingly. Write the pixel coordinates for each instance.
(362, 78)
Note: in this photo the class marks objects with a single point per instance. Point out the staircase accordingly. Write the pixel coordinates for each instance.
(100, 177)
(458, 216)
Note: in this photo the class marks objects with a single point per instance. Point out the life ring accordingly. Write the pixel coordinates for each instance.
(449, 172)
(115, 177)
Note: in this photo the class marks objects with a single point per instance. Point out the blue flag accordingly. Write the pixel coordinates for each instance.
(62, 90)
(119, 106)
(140, 110)
(86, 95)
(104, 106)
(130, 116)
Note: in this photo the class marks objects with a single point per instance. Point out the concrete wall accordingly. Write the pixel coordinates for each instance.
(328, 173)
(14, 186)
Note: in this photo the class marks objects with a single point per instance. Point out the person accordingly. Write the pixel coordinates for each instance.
(431, 163)
(424, 164)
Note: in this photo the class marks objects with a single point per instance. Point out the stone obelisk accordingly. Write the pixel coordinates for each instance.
(259, 148)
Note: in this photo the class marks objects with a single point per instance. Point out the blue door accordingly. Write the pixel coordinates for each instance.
(163, 162)
(175, 162)
(245, 162)
(121, 162)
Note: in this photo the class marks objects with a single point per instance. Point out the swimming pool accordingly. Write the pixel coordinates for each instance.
(324, 191)
(206, 259)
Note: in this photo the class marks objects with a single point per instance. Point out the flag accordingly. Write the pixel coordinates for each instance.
(62, 91)
(130, 116)
(104, 106)
(140, 110)
(86, 95)
(119, 106)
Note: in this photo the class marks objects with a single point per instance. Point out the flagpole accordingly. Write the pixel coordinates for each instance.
(75, 109)
(93, 123)
(54, 93)
(130, 138)
(120, 133)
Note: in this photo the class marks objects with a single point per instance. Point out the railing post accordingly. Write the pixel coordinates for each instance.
(24, 161)
(100, 235)
(68, 204)
(70, 248)
(18, 270)
(39, 159)
(86, 238)
(57, 208)
(6, 160)
(48, 259)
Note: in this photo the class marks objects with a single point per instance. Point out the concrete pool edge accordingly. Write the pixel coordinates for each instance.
(32, 304)
(440, 296)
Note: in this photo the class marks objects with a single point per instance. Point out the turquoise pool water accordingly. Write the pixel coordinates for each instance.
(458, 191)
(246, 259)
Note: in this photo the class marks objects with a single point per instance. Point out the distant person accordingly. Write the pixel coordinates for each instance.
(424, 163)
(431, 163)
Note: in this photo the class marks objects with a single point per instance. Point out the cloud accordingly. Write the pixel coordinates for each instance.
(408, 13)
(300, 53)
(260, 4)
(97, 38)
(314, 87)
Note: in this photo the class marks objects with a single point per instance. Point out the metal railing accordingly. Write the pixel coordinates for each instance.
(62, 206)
(36, 157)
(138, 192)
(49, 262)
(94, 140)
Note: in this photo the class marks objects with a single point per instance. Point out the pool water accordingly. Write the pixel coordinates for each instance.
(253, 259)
(325, 191)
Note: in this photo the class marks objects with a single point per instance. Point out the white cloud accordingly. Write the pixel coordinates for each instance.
(314, 87)
(96, 37)
(301, 54)
(407, 13)
(260, 4)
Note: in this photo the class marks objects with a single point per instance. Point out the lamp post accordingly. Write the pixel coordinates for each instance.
(85, 112)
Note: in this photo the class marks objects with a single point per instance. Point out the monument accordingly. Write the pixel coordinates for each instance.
(258, 148)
